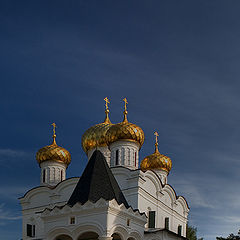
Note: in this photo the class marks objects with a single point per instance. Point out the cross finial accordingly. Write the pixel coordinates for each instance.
(107, 120)
(156, 136)
(125, 110)
(156, 143)
(54, 132)
(126, 102)
(106, 102)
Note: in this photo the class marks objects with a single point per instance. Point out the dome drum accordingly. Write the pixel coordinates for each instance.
(125, 153)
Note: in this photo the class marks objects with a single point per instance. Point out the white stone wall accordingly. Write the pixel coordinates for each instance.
(128, 153)
(105, 151)
(54, 172)
(144, 191)
(103, 217)
(162, 175)
(39, 198)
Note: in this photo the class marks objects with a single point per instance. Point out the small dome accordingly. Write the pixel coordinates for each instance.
(156, 161)
(53, 153)
(95, 136)
(125, 131)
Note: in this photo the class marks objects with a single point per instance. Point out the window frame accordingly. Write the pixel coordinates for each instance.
(180, 230)
(117, 157)
(72, 220)
(166, 223)
(31, 230)
(152, 219)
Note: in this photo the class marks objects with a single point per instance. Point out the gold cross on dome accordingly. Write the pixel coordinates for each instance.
(126, 102)
(156, 135)
(106, 102)
(54, 128)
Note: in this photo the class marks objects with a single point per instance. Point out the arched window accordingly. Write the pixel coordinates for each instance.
(44, 175)
(167, 223)
(117, 157)
(135, 158)
(61, 175)
(123, 156)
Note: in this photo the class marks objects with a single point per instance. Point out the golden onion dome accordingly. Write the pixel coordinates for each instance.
(95, 136)
(125, 131)
(156, 161)
(53, 152)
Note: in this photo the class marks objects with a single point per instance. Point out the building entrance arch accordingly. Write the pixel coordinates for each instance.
(63, 237)
(88, 236)
(116, 236)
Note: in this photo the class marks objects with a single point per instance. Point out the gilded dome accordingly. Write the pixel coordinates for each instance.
(156, 161)
(95, 136)
(125, 131)
(53, 152)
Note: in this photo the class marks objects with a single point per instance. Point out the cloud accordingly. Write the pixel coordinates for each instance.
(7, 215)
(213, 200)
(12, 153)
(193, 192)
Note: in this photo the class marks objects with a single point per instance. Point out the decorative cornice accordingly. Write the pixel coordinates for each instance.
(93, 207)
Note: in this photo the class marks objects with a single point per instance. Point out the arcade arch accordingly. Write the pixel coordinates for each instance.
(116, 236)
(63, 237)
(88, 235)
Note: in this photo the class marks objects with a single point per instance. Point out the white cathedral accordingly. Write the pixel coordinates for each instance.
(114, 199)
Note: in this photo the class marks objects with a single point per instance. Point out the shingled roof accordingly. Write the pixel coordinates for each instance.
(97, 181)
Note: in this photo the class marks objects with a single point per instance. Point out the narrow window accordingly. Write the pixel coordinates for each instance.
(179, 230)
(61, 175)
(44, 175)
(135, 158)
(72, 220)
(151, 220)
(128, 222)
(30, 230)
(117, 157)
(129, 162)
(167, 223)
(123, 156)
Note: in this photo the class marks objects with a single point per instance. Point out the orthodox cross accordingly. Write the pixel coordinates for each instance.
(107, 101)
(54, 128)
(156, 135)
(126, 102)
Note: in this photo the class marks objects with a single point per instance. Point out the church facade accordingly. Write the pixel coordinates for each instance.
(114, 199)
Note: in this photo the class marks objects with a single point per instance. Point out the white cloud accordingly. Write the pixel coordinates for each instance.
(7, 215)
(12, 153)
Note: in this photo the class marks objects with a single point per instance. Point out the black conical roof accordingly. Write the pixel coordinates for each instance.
(97, 181)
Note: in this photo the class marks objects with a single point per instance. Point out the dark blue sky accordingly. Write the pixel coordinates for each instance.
(177, 62)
